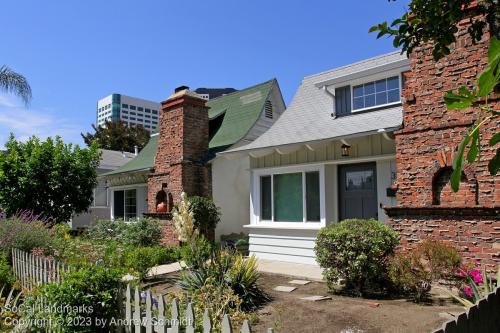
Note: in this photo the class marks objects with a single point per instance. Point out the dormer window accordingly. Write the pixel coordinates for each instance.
(376, 93)
(364, 96)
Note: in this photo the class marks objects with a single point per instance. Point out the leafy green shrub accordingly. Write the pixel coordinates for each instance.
(239, 242)
(431, 261)
(24, 235)
(139, 260)
(144, 232)
(92, 289)
(408, 274)
(196, 252)
(206, 214)
(357, 251)
(228, 269)
(6, 276)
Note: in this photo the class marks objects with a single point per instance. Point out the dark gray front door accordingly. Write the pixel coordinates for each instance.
(358, 191)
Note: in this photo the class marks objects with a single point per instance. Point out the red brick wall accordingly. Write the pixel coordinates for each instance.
(424, 152)
(179, 163)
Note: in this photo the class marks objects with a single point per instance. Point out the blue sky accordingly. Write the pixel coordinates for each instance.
(75, 52)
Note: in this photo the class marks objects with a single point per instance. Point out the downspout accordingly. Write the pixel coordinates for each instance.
(332, 95)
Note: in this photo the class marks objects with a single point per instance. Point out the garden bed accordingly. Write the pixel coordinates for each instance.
(340, 313)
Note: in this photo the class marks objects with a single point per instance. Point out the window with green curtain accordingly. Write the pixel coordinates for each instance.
(288, 205)
(312, 196)
(265, 198)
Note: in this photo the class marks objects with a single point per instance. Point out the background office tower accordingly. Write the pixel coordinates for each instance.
(131, 110)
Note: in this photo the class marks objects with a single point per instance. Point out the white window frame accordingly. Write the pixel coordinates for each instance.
(373, 78)
(255, 201)
(112, 190)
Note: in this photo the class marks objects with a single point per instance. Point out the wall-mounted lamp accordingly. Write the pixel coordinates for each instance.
(346, 150)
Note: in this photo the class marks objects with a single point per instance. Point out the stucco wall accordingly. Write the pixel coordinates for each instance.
(231, 192)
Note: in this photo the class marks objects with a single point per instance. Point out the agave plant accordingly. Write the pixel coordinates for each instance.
(478, 285)
(228, 269)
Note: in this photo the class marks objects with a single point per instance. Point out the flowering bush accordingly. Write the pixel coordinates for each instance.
(183, 217)
(24, 231)
(476, 284)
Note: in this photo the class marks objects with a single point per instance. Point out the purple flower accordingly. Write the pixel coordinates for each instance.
(468, 291)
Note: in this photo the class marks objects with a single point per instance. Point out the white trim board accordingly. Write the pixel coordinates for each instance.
(375, 158)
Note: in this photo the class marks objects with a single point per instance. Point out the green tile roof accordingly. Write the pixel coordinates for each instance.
(240, 109)
(143, 161)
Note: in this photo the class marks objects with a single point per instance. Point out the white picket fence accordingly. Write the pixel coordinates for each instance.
(141, 312)
(147, 313)
(33, 271)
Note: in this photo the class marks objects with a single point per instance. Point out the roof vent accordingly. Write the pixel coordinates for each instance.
(268, 107)
(181, 88)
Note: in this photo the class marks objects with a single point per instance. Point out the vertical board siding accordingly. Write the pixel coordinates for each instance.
(370, 145)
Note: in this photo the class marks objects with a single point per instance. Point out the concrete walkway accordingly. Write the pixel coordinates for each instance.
(166, 269)
(303, 271)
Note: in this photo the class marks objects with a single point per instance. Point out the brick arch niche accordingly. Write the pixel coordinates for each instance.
(443, 195)
(165, 197)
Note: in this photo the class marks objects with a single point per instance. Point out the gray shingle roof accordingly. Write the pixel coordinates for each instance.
(112, 159)
(308, 117)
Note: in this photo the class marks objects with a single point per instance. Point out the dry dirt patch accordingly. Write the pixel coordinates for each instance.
(341, 313)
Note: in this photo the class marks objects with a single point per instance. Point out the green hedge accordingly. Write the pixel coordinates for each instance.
(357, 252)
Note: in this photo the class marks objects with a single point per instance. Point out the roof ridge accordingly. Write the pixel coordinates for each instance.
(248, 88)
(353, 64)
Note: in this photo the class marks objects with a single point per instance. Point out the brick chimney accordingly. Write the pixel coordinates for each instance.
(182, 147)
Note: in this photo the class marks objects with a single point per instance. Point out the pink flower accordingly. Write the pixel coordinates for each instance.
(476, 275)
(468, 291)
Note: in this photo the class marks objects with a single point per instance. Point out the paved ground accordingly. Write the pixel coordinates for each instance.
(166, 269)
(303, 271)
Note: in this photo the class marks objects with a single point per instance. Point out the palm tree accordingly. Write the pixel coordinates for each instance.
(13, 82)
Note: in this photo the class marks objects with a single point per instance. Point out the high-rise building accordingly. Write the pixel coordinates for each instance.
(211, 93)
(131, 110)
